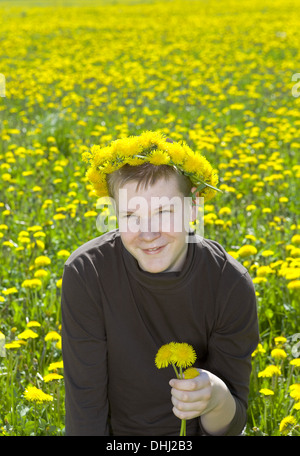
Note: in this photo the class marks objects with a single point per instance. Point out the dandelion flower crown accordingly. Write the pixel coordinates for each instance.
(154, 148)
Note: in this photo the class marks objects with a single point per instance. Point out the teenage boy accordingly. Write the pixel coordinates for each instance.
(133, 289)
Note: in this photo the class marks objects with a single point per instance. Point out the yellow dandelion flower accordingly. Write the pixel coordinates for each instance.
(58, 217)
(296, 239)
(27, 334)
(40, 244)
(32, 283)
(192, 162)
(266, 392)
(52, 335)
(292, 273)
(191, 372)
(12, 345)
(9, 291)
(183, 355)
(158, 157)
(233, 254)
(287, 424)
(39, 234)
(134, 161)
(51, 377)
(56, 365)
(267, 210)
(267, 253)
(295, 391)
(58, 344)
(90, 214)
(42, 261)
(86, 156)
(33, 323)
(257, 279)
(41, 273)
(263, 271)
(109, 168)
(259, 349)
(278, 353)
(295, 252)
(63, 254)
(93, 175)
(295, 362)
(125, 147)
(225, 211)
(102, 157)
(283, 199)
(148, 139)
(164, 356)
(34, 394)
(246, 251)
(297, 406)
(294, 285)
(279, 340)
(35, 228)
(269, 371)
(177, 153)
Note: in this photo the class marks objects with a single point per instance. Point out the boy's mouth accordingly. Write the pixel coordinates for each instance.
(153, 250)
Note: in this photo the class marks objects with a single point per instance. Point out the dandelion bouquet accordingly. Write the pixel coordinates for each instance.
(179, 355)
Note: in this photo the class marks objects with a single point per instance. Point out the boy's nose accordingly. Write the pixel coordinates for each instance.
(148, 232)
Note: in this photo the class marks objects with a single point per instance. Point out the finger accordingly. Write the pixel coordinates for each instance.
(188, 406)
(185, 385)
(187, 411)
(187, 396)
(191, 384)
(185, 415)
(190, 400)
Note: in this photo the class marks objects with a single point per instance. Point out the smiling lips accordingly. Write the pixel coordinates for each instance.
(154, 250)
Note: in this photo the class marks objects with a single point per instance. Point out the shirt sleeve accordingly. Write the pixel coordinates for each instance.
(84, 354)
(233, 339)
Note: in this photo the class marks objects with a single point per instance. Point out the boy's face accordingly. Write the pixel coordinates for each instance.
(154, 218)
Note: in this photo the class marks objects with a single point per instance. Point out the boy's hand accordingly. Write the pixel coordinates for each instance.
(206, 396)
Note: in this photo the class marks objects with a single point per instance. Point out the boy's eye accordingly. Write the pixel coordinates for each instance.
(164, 210)
(160, 212)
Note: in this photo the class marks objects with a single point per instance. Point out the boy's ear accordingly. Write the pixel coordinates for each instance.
(194, 208)
(194, 195)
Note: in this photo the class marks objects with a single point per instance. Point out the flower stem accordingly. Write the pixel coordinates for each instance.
(183, 422)
(183, 428)
(176, 372)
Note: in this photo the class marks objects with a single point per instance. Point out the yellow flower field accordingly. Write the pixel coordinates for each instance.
(221, 76)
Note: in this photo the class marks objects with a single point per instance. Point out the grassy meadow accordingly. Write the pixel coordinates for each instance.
(219, 75)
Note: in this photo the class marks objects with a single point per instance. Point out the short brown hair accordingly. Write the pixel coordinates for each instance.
(146, 174)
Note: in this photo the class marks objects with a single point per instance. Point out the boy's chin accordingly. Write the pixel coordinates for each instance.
(153, 268)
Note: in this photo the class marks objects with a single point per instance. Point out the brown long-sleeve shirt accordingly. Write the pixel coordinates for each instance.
(115, 317)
